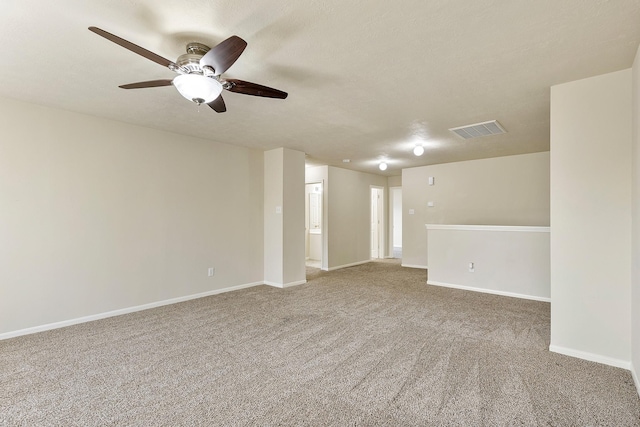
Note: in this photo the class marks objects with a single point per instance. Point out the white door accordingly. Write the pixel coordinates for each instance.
(396, 196)
(376, 223)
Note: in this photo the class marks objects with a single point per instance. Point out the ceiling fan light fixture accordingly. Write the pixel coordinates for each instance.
(418, 150)
(198, 88)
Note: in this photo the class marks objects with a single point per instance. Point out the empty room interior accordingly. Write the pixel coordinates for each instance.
(320, 213)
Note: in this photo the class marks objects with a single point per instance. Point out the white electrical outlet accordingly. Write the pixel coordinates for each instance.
(211, 272)
(472, 267)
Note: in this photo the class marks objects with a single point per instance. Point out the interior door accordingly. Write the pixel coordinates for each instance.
(375, 224)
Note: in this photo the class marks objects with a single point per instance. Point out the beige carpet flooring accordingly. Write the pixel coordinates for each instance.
(369, 345)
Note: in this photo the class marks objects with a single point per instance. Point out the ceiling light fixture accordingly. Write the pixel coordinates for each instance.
(418, 150)
(382, 166)
(198, 88)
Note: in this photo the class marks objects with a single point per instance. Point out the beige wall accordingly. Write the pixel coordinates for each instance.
(284, 247)
(97, 215)
(273, 223)
(394, 181)
(293, 217)
(635, 277)
(507, 260)
(346, 214)
(511, 190)
(591, 129)
(349, 209)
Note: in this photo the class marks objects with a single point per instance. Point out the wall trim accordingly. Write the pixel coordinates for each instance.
(489, 291)
(592, 357)
(353, 264)
(635, 378)
(530, 229)
(422, 267)
(121, 311)
(285, 285)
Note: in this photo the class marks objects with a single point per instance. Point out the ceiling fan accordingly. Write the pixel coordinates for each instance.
(199, 71)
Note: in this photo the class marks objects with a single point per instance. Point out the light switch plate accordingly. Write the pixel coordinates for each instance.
(278, 209)
(430, 204)
(411, 211)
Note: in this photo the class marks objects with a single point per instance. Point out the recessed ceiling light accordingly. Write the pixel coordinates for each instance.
(418, 150)
(382, 166)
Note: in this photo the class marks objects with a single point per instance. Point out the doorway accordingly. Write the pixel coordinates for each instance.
(377, 220)
(313, 225)
(395, 220)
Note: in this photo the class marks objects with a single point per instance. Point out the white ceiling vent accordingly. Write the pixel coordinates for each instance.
(479, 129)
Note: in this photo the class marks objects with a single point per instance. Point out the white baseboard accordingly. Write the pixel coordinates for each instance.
(285, 285)
(299, 282)
(348, 265)
(635, 378)
(121, 311)
(489, 291)
(423, 267)
(592, 357)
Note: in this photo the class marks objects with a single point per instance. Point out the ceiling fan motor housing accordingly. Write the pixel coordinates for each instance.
(190, 61)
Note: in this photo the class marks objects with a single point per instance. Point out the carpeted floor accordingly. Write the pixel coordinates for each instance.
(368, 345)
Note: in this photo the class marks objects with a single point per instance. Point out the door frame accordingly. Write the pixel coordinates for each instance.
(379, 191)
(392, 218)
(323, 226)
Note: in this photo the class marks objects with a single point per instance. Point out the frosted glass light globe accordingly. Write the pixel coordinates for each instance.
(197, 88)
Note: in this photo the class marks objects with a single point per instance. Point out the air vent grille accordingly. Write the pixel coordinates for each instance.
(477, 130)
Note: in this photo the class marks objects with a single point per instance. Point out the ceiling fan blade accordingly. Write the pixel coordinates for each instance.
(221, 57)
(134, 48)
(152, 83)
(248, 88)
(218, 105)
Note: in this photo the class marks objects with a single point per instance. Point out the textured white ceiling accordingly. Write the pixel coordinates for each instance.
(366, 78)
